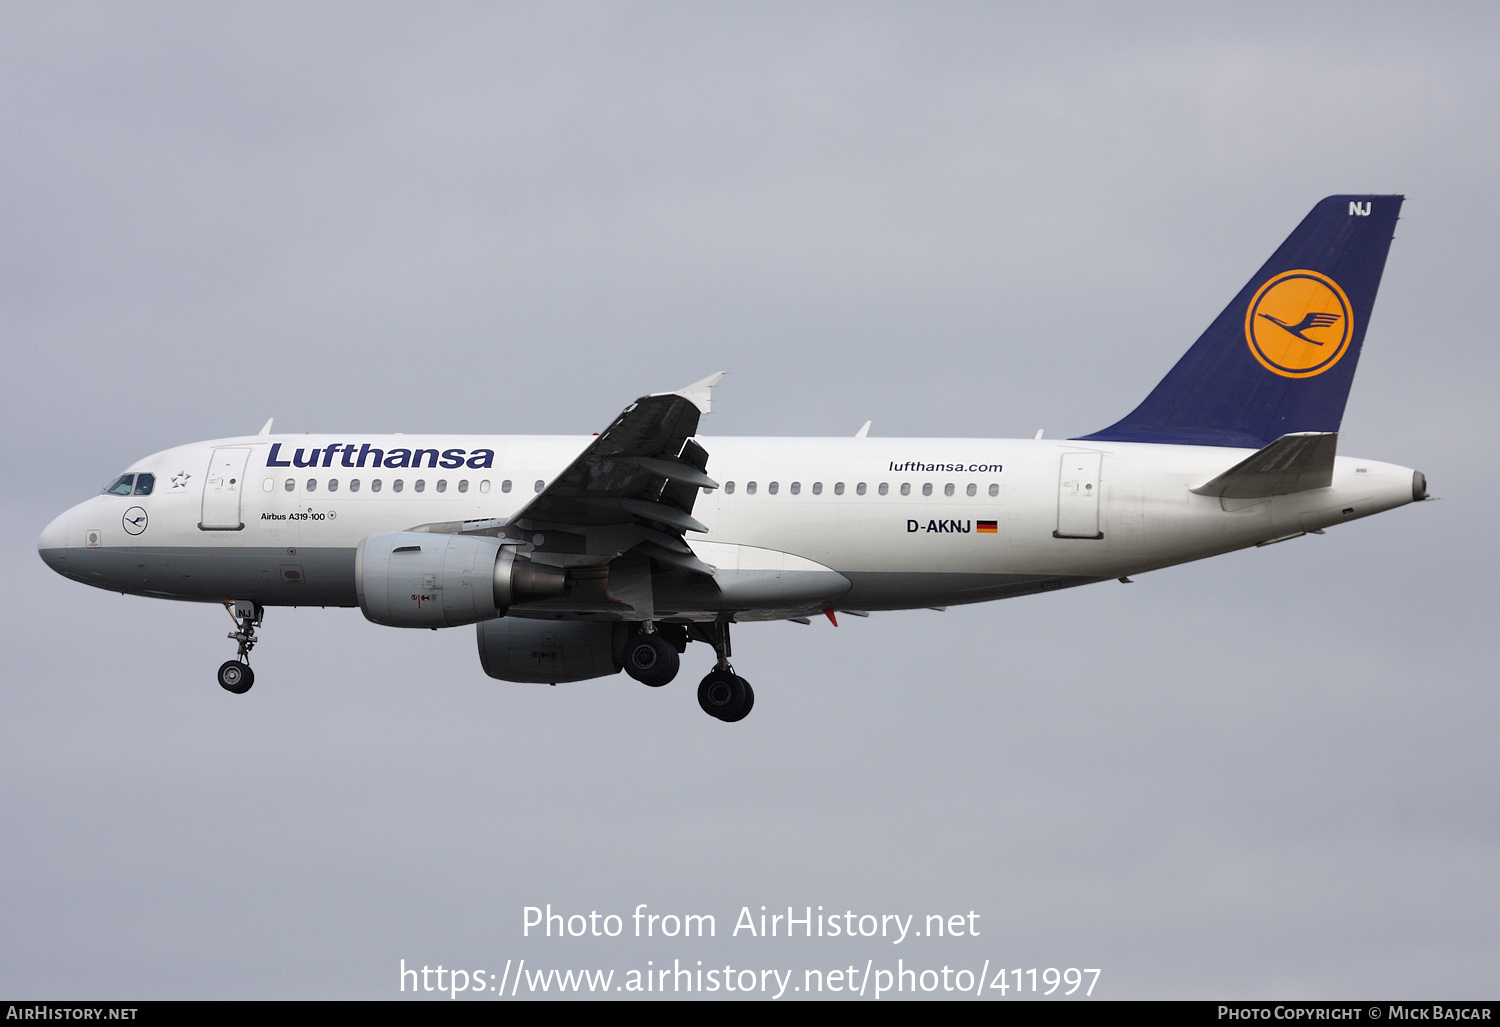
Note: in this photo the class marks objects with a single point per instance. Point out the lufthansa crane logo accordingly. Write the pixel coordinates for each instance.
(1299, 324)
(134, 520)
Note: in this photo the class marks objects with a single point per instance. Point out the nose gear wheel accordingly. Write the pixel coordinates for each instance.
(236, 677)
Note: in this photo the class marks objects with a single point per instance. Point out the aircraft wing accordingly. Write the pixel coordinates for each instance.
(633, 488)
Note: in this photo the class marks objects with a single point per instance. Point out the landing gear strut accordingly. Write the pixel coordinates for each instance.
(723, 693)
(235, 675)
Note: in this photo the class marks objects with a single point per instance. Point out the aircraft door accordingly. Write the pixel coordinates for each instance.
(1078, 496)
(222, 487)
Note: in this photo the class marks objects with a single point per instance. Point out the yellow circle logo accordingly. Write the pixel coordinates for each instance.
(1299, 324)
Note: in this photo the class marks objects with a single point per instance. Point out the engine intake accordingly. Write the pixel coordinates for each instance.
(411, 579)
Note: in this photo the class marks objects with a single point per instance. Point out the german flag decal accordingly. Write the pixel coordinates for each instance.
(985, 527)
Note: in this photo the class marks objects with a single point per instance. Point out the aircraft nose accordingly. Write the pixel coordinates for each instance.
(53, 543)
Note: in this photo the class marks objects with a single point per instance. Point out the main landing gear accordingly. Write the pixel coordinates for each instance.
(723, 693)
(651, 655)
(235, 675)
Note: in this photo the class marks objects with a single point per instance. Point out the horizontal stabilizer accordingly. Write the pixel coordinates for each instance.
(1293, 463)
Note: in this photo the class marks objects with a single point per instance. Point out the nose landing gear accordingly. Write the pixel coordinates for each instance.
(235, 675)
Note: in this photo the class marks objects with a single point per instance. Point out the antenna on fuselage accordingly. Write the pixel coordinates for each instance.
(265, 429)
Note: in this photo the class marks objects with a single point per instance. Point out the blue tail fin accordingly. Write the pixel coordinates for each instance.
(1281, 356)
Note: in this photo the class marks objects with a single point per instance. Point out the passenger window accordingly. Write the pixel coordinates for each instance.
(312, 484)
(884, 488)
(267, 485)
(859, 489)
(771, 488)
(838, 489)
(994, 490)
(729, 488)
(796, 488)
(333, 485)
(122, 486)
(927, 489)
(484, 485)
(144, 483)
(375, 485)
(290, 486)
(504, 486)
(396, 485)
(750, 488)
(420, 485)
(353, 484)
(540, 485)
(948, 489)
(442, 486)
(906, 488)
(463, 485)
(972, 489)
(817, 488)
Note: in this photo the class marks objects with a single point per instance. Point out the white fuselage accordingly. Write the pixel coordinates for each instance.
(907, 522)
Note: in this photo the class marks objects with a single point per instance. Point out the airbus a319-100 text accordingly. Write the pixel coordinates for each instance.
(577, 557)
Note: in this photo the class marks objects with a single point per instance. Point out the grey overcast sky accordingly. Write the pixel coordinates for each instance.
(1272, 774)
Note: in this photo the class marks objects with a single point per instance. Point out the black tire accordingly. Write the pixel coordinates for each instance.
(236, 677)
(725, 696)
(651, 660)
(746, 704)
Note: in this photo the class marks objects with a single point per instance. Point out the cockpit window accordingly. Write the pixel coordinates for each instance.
(144, 483)
(121, 486)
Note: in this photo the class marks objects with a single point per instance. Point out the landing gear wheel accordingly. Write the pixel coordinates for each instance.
(236, 677)
(746, 705)
(651, 660)
(726, 695)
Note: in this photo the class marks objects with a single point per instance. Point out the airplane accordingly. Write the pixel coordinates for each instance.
(578, 557)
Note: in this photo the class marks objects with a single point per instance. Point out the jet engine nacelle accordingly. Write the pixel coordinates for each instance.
(413, 579)
(549, 651)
